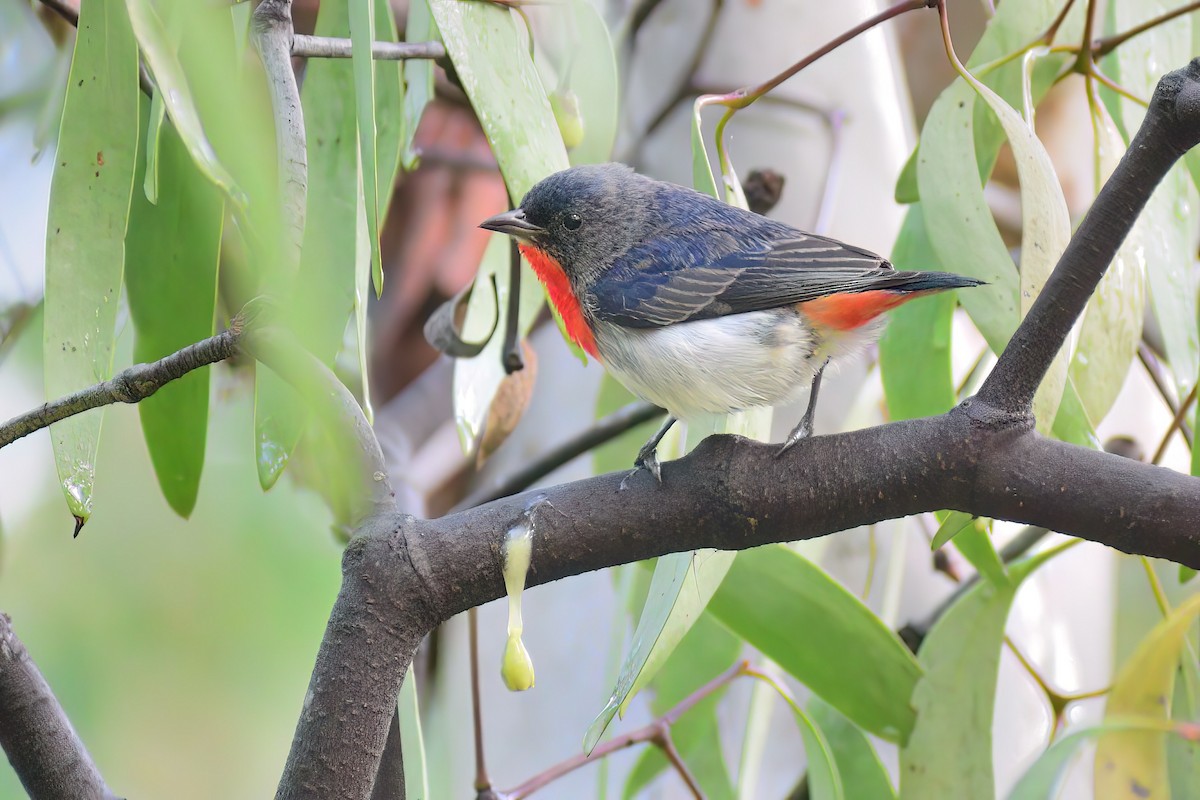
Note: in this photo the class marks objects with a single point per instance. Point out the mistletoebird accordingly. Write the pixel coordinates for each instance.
(695, 305)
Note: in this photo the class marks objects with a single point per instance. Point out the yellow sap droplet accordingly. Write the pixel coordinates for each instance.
(517, 667)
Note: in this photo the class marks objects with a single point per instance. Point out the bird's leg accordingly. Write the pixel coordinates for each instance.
(805, 428)
(647, 457)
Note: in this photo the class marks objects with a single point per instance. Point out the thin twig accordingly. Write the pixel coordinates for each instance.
(130, 385)
(1102, 47)
(304, 46)
(650, 733)
(1176, 423)
(667, 745)
(603, 431)
(482, 781)
(1154, 369)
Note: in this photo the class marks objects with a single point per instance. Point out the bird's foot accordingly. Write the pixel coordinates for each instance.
(647, 459)
(802, 431)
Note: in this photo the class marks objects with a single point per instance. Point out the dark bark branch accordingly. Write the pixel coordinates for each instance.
(389, 782)
(1171, 128)
(36, 735)
(131, 385)
(333, 47)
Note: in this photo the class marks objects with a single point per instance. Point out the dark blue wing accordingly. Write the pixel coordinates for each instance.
(705, 273)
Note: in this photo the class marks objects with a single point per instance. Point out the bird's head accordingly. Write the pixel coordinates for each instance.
(583, 217)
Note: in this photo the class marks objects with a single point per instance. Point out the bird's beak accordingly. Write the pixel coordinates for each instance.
(514, 224)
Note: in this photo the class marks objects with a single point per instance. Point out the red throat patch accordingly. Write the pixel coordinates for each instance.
(558, 287)
(846, 311)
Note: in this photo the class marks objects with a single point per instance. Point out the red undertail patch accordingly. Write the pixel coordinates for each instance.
(558, 287)
(846, 311)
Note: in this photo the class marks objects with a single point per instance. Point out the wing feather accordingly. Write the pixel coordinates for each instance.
(662, 282)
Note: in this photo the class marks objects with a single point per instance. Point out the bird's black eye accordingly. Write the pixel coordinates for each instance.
(572, 221)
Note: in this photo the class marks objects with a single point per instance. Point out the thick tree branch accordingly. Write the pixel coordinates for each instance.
(272, 35)
(333, 47)
(36, 735)
(1171, 128)
(402, 576)
(128, 386)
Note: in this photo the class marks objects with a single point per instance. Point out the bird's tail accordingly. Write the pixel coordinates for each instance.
(923, 282)
(854, 307)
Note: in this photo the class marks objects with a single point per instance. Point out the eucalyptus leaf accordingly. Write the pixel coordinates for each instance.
(90, 192)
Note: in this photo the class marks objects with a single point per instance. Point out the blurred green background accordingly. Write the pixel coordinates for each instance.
(163, 636)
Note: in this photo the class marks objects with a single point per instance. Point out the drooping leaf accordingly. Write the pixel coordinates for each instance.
(494, 67)
(824, 778)
(950, 751)
(971, 538)
(590, 73)
(1043, 778)
(702, 174)
(1045, 231)
(918, 333)
(704, 653)
(862, 668)
(389, 109)
(418, 76)
(509, 404)
(1112, 323)
(681, 587)
(171, 255)
(1134, 766)
(158, 47)
(362, 34)
(85, 251)
(1167, 225)
(510, 101)
(863, 775)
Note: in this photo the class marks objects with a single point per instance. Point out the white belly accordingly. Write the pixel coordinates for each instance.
(714, 366)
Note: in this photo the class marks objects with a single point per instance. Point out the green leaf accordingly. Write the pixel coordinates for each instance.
(954, 523)
(412, 740)
(1112, 322)
(1186, 573)
(975, 544)
(591, 74)
(1132, 766)
(918, 333)
(824, 780)
(171, 254)
(907, 190)
(418, 76)
(1045, 231)
(85, 252)
(329, 259)
(153, 128)
(1042, 780)
(959, 145)
(510, 101)
(362, 34)
(389, 108)
(702, 174)
(863, 775)
(950, 751)
(861, 668)
(1167, 225)
(704, 653)
(493, 64)
(159, 49)
(680, 589)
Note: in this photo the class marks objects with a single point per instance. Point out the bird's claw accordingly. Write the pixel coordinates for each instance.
(647, 460)
(802, 431)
